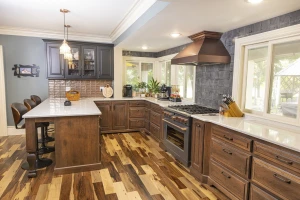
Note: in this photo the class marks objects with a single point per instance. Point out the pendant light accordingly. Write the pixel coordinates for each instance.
(64, 48)
(69, 55)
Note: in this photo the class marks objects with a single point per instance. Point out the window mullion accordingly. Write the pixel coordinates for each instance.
(244, 84)
(268, 78)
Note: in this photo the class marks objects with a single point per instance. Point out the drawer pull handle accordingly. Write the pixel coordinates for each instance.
(228, 138)
(283, 179)
(198, 125)
(227, 176)
(284, 160)
(226, 151)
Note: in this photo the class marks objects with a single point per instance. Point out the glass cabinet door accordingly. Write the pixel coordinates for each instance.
(73, 69)
(89, 62)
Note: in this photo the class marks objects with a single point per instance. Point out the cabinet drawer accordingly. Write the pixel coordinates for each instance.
(279, 156)
(258, 194)
(232, 137)
(136, 123)
(155, 118)
(156, 108)
(147, 114)
(147, 104)
(155, 130)
(136, 103)
(231, 182)
(136, 112)
(233, 158)
(276, 180)
(101, 103)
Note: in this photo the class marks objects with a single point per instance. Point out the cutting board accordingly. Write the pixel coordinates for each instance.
(107, 91)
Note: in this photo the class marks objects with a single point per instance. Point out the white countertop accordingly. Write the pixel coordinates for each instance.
(54, 107)
(285, 136)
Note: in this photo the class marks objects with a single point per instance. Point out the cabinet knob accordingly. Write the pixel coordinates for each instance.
(198, 125)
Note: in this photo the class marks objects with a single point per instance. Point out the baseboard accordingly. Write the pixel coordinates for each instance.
(11, 130)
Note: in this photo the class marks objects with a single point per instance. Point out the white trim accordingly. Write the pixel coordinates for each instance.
(11, 130)
(136, 11)
(5, 30)
(3, 117)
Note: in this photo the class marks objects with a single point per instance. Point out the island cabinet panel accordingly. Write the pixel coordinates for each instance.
(106, 116)
(258, 194)
(120, 116)
(280, 156)
(55, 62)
(276, 180)
(237, 186)
(235, 159)
(197, 150)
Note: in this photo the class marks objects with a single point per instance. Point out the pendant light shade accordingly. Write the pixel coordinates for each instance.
(64, 48)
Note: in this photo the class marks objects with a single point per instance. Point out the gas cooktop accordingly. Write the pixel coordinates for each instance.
(194, 109)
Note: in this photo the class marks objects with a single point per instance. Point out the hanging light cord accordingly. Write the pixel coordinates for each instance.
(64, 26)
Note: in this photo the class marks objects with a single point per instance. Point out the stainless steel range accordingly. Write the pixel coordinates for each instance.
(177, 129)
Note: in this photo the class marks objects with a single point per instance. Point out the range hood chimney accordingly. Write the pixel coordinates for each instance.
(207, 48)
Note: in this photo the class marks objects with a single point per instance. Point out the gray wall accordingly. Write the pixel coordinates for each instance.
(23, 50)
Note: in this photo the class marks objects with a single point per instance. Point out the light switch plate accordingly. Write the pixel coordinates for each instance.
(68, 89)
(101, 89)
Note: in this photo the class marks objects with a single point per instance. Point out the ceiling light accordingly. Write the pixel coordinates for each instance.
(144, 47)
(254, 1)
(64, 48)
(68, 55)
(175, 35)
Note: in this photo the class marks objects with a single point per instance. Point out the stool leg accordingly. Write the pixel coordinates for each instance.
(47, 137)
(44, 149)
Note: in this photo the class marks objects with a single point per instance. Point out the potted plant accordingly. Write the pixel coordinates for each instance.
(154, 87)
(134, 90)
(142, 88)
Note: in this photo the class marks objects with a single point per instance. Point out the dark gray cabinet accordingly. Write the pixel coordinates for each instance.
(89, 61)
(105, 57)
(55, 62)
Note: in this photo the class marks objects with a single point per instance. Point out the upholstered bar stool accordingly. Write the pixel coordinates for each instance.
(18, 110)
(38, 100)
(44, 126)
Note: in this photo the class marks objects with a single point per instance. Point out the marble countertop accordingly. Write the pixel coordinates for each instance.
(282, 135)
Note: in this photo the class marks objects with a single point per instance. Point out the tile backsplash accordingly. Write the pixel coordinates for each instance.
(87, 88)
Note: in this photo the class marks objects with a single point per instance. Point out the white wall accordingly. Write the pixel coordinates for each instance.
(118, 72)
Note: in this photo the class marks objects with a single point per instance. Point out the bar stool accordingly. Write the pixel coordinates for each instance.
(18, 110)
(44, 126)
(38, 100)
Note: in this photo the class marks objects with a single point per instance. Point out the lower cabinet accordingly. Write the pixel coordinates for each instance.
(155, 116)
(106, 116)
(258, 194)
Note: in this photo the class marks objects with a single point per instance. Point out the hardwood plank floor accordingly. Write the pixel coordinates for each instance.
(133, 167)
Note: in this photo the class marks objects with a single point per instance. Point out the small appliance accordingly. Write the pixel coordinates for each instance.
(127, 91)
(165, 92)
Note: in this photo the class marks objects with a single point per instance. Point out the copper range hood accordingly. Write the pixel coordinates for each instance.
(207, 48)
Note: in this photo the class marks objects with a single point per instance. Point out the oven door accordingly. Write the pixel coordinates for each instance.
(177, 140)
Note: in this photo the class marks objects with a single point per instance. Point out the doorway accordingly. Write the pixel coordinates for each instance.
(3, 121)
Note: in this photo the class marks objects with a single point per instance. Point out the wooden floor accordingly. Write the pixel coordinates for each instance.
(133, 167)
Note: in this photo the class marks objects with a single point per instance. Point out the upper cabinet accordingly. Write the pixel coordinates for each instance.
(89, 61)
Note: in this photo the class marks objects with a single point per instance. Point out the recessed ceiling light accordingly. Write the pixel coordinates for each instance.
(254, 1)
(175, 35)
(144, 47)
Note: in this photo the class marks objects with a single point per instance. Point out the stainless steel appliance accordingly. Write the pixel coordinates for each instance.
(165, 92)
(177, 125)
(127, 91)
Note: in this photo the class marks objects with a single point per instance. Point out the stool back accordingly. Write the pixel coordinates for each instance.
(29, 104)
(36, 99)
(18, 110)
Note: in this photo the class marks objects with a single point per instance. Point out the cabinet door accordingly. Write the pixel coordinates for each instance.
(55, 62)
(73, 66)
(106, 116)
(105, 62)
(89, 58)
(120, 116)
(197, 146)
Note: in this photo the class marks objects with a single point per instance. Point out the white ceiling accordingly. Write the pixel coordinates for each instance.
(87, 17)
(191, 16)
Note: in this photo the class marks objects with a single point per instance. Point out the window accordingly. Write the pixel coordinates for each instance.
(184, 80)
(271, 80)
(137, 71)
(165, 73)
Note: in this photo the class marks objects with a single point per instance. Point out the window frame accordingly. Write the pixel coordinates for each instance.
(242, 46)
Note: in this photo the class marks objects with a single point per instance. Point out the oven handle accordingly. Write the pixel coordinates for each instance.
(183, 129)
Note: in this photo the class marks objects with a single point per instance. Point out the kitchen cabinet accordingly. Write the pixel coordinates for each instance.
(105, 63)
(106, 116)
(89, 61)
(155, 113)
(55, 62)
(119, 115)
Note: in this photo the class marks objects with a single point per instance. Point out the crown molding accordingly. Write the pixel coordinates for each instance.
(136, 11)
(46, 34)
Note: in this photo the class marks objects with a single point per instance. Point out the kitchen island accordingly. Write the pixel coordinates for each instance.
(77, 146)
